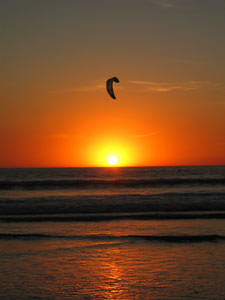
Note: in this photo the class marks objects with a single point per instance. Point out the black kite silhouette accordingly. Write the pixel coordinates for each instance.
(109, 86)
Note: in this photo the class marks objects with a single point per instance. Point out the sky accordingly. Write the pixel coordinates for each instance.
(56, 55)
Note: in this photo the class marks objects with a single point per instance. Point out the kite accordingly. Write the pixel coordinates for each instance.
(109, 86)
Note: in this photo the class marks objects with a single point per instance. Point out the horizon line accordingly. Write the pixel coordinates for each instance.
(112, 167)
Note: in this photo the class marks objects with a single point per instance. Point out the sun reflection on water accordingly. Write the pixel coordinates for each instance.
(114, 285)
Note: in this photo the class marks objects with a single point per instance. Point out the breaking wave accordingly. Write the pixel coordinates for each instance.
(120, 183)
(108, 237)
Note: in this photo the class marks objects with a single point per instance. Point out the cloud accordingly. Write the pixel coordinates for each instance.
(78, 89)
(163, 3)
(189, 61)
(140, 136)
(65, 136)
(171, 86)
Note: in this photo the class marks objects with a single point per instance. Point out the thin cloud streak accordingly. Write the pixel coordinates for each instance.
(163, 3)
(65, 136)
(171, 86)
(140, 136)
(78, 89)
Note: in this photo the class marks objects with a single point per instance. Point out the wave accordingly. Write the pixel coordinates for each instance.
(111, 217)
(108, 237)
(76, 184)
(103, 205)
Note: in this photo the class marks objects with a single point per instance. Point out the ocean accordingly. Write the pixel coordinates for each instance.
(112, 233)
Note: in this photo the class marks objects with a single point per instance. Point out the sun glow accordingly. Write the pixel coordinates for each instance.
(112, 160)
(111, 153)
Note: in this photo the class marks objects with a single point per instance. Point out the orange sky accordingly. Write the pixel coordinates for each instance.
(171, 97)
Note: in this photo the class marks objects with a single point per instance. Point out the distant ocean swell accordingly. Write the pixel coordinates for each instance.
(108, 237)
(115, 203)
(111, 216)
(120, 183)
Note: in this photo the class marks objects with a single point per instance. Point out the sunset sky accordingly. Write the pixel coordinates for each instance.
(57, 54)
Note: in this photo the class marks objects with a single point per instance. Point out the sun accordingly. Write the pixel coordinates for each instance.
(111, 153)
(112, 160)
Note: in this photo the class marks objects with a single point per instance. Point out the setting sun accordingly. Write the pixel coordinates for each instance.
(112, 160)
(105, 152)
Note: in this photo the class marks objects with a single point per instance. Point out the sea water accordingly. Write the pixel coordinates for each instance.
(112, 233)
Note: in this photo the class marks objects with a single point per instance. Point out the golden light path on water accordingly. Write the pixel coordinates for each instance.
(94, 266)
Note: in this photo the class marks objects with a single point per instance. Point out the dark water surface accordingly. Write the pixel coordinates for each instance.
(112, 233)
